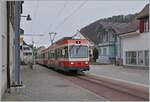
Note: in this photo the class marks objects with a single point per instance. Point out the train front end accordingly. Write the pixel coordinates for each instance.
(78, 56)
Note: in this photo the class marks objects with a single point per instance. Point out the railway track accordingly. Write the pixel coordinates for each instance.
(115, 91)
(109, 89)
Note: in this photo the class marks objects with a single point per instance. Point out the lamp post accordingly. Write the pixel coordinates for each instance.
(28, 17)
(52, 36)
(17, 46)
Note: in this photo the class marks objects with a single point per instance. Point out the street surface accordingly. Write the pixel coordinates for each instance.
(127, 74)
(42, 84)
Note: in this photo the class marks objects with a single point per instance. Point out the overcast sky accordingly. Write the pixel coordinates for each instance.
(65, 17)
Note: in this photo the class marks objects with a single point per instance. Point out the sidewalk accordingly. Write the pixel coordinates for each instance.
(138, 76)
(41, 84)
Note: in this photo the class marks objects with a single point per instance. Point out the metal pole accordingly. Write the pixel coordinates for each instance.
(17, 42)
(33, 52)
(8, 46)
(52, 37)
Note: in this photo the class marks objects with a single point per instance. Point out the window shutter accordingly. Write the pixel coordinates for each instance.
(141, 26)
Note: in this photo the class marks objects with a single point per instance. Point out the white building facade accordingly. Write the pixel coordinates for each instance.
(26, 53)
(7, 43)
(3, 45)
(135, 45)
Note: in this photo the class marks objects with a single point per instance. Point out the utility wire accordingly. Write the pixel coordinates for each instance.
(57, 16)
(36, 10)
(79, 7)
(34, 17)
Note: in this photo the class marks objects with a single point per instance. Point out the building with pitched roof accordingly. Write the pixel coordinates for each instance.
(26, 53)
(134, 41)
(104, 36)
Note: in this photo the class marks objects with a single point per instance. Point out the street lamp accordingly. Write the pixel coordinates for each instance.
(17, 47)
(52, 36)
(28, 17)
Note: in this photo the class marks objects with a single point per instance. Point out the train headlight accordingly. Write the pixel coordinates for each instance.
(86, 62)
(72, 63)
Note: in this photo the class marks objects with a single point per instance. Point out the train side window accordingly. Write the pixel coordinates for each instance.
(49, 55)
(59, 50)
(66, 52)
(56, 53)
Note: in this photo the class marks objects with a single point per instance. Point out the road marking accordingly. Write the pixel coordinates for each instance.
(119, 80)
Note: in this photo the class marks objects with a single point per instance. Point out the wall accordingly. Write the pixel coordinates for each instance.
(3, 47)
(12, 51)
(135, 43)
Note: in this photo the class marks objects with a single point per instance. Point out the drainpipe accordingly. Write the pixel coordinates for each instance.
(8, 48)
(17, 43)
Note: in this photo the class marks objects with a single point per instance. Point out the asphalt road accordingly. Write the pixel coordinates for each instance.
(139, 76)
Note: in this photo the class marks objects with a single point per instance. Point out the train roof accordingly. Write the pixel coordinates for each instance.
(65, 40)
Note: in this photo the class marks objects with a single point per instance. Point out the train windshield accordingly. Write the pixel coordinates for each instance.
(78, 51)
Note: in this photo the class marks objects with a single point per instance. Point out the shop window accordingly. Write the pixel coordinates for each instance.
(147, 58)
(140, 57)
(131, 57)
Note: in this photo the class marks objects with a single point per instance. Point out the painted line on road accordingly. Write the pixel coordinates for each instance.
(119, 80)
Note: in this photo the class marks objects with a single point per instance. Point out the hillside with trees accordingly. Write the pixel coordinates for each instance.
(120, 18)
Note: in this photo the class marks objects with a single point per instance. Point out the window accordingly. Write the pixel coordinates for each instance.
(137, 57)
(104, 51)
(66, 52)
(78, 51)
(104, 37)
(131, 57)
(100, 51)
(140, 57)
(26, 48)
(27, 53)
(49, 54)
(43, 55)
(146, 25)
(147, 58)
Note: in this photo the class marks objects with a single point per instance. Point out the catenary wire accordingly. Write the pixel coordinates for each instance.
(69, 16)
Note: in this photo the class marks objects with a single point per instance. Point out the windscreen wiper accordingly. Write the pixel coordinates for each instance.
(78, 48)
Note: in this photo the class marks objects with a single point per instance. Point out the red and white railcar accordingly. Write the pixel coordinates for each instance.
(66, 54)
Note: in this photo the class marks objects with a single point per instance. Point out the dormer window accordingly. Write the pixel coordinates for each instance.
(144, 25)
